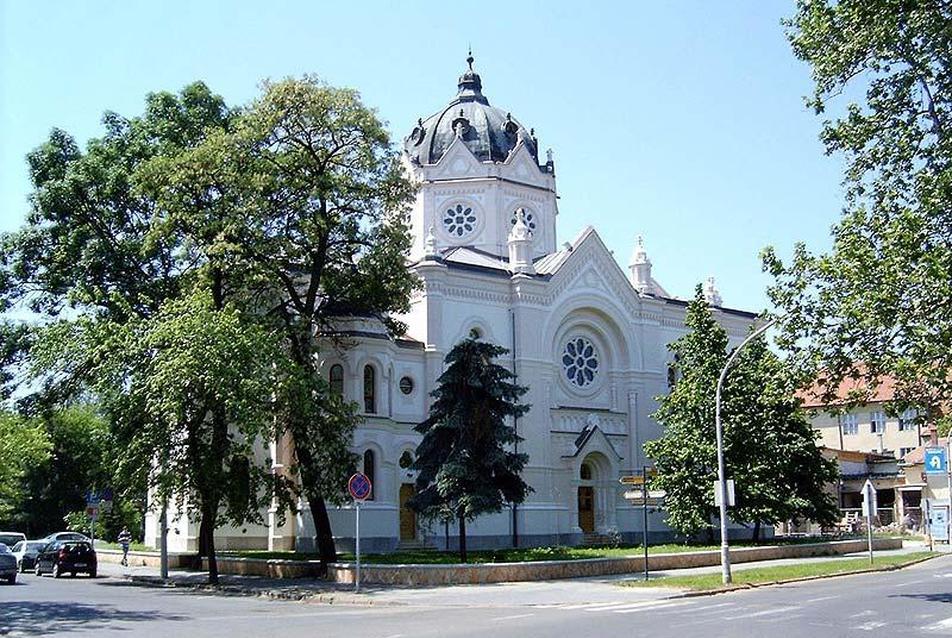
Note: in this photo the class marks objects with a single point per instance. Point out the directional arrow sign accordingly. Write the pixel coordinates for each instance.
(936, 460)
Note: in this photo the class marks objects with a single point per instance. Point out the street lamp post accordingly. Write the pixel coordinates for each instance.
(721, 475)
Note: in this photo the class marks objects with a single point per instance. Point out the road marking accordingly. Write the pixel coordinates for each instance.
(942, 625)
(501, 618)
(869, 626)
(632, 609)
(765, 612)
(816, 600)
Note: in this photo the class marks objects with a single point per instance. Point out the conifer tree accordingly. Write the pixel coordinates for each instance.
(465, 465)
(770, 450)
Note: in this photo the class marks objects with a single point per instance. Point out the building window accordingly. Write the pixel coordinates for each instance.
(529, 218)
(459, 220)
(877, 422)
(406, 385)
(903, 451)
(370, 390)
(907, 420)
(337, 379)
(850, 424)
(580, 362)
(673, 372)
(369, 472)
(406, 459)
(585, 473)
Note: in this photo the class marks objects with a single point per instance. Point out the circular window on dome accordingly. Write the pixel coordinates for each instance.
(406, 385)
(530, 220)
(580, 362)
(459, 220)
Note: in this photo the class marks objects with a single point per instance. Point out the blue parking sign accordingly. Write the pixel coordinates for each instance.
(936, 460)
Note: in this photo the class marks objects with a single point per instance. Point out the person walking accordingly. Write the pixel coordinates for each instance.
(124, 539)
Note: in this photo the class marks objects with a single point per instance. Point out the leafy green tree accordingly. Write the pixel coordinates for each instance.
(769, 448)
(877, 302)
(23, 444)
(465, 468)
(307, 196)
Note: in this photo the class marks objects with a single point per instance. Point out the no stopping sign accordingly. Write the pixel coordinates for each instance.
(359, 486)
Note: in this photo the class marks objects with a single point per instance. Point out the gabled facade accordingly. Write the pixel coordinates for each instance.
(588, 339)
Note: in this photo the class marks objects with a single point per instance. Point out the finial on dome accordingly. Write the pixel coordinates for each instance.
(469, 59)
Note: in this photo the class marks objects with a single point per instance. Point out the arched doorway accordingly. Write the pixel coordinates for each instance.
(586, 497)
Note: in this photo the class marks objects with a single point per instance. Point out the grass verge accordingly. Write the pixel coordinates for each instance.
(781, 573)
(521, 555)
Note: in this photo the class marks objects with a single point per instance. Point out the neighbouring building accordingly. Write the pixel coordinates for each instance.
(588, 339)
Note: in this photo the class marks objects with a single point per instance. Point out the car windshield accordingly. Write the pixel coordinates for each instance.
(4, 549)
(35, 546)
(76, 545)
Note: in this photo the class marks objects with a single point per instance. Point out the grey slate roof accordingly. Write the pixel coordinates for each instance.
(490, 133)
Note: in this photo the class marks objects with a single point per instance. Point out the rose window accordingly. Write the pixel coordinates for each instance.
(459, 220)
(580, 362)
(529, 219)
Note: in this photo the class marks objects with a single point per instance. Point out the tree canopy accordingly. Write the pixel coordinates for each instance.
(769, 447)
(877, 303)
(464, 462)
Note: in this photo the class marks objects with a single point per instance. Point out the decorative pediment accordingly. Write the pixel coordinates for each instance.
(521, 166)
(458, 161)
(592, 439)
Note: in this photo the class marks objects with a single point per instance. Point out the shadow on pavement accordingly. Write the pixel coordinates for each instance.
(26, 618)
(941, 597)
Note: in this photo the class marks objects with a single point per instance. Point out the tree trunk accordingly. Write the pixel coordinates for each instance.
(322, 523)
(462, 537)
(710, 535)
(209, 531)
(756, 535)
(203, 538)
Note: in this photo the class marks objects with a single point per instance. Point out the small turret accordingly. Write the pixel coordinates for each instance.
(640, 267)
(520, 246)
(431, 249)
(711, 294)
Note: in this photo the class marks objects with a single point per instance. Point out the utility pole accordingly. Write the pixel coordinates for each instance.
(164, 541)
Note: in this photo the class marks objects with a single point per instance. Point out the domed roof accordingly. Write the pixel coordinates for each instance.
(489, 133)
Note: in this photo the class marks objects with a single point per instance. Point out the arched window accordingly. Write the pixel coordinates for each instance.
(369, 472)
(337, 379)
(585, 473)
(370, 390)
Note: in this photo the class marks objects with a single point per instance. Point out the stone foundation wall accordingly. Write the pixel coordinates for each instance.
(146, 559)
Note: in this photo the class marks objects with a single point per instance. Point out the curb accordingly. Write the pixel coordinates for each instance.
(327, 598)
(802, 579)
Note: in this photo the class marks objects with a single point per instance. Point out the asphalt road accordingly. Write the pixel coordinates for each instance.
(913, 602)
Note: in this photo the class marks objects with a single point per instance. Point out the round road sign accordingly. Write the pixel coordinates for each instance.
(359, 486)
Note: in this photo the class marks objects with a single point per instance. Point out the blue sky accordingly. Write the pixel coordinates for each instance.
(682, 121)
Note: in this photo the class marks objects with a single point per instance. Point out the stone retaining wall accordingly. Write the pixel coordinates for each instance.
(428, 575)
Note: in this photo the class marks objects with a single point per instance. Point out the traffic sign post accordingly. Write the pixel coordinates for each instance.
(360, 489)
(869, 506)
(644, 497)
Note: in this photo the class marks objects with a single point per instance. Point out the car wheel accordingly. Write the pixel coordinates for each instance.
(20, 567)
(57, 572)
(92, 574)
(36, 569)
(12, 580)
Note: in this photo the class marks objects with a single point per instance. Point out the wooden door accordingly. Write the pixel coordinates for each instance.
(407, 515)
(586, 508)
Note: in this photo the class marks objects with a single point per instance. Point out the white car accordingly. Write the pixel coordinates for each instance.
(8, 565)
(25, 552)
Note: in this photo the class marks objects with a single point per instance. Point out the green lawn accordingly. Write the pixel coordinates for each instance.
(432, 557)
(134, 547)
(762, 575)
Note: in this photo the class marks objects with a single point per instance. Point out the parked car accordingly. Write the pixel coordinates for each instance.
(60, 557)
(11, 538)
(8, 565)
(25, 553)
(65, 536)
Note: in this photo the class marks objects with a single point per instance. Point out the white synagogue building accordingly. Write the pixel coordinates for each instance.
(587, 337)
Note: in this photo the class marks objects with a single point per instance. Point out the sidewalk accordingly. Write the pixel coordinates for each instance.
(602, 589)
